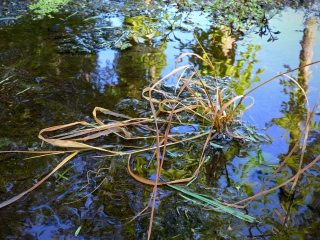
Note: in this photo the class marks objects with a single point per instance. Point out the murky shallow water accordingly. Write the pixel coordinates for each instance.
(47, 88)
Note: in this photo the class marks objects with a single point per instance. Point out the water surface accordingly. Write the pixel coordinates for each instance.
(42, 86)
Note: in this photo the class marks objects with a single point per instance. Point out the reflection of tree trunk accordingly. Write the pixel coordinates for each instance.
(294, 111)
(306, 52)
(227, 42)
(152, 73)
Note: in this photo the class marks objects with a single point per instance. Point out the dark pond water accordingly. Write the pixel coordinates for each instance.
(55, 71)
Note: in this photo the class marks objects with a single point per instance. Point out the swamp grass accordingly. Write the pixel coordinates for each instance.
(214, 108)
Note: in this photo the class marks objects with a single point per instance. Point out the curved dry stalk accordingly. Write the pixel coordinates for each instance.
(107, 112)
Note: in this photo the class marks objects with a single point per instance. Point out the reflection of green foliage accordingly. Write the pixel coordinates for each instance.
(294, 111)
(290, 123)
(215, 45)
(173, 173)
(315, 125)
(179, 163)
(293, 162)
(258, 162)
(142, 26)
(242, 71)
(44, 7)
(246, 188)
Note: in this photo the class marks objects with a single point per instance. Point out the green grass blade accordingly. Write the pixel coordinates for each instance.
(77, 231)
(217, 204)
(201, 204)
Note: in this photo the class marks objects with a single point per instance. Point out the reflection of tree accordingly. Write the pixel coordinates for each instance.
(293, 122)
(294, 110)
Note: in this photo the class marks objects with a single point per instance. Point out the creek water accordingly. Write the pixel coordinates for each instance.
(54, 71)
